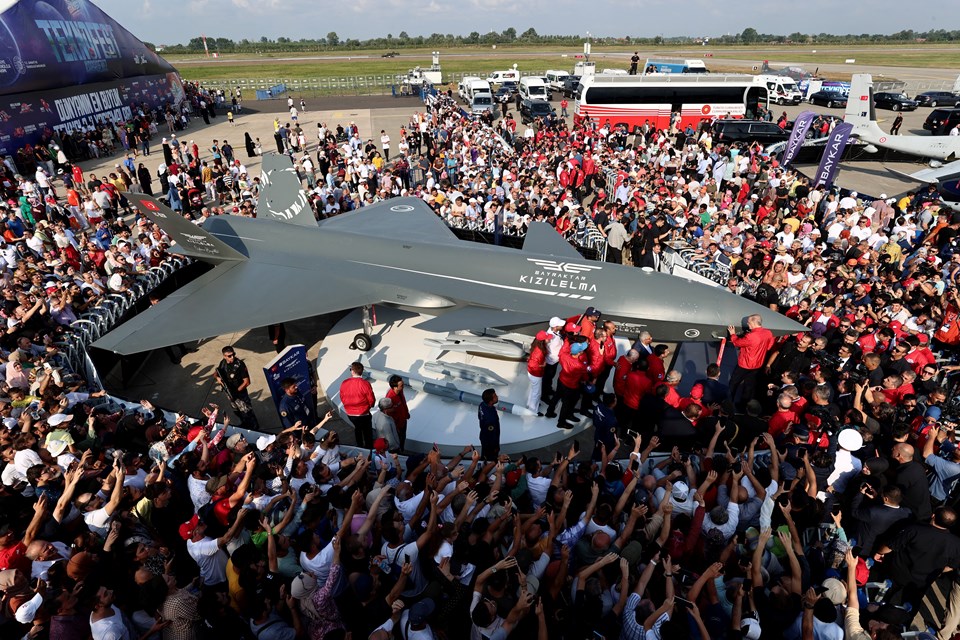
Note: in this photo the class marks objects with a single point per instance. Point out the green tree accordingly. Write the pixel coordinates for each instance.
(529, 34)
(264, 39)
(749, 35)
(509, 34)
(404, 36)
(333, 39)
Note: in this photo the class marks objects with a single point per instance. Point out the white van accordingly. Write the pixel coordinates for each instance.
(555, 79)
(463, 88)
(780, 89)
(480, 97)
(532, 88)
(499, 77)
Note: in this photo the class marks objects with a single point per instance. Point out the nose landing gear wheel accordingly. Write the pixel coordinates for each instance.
(362, 342)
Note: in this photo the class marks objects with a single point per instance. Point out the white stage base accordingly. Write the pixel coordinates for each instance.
(398, 347)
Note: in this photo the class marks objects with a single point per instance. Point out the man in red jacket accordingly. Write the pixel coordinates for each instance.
(752, 348)
(357, 397)
(573, 373)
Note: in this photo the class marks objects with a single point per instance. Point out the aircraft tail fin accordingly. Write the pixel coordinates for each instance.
(282, 197)
(191, 240)
(860, 110)
(544, 239)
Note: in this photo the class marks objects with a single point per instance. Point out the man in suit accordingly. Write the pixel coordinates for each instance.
(911, 477)
(873, 520)
(714, 391)
(644, 344)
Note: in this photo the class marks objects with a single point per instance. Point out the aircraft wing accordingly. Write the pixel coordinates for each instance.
(541, 238)
(400, 218)
(473, 317)
(931, 175)
(232, 297)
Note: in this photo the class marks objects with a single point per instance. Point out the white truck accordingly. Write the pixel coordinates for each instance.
(555, 79)
(780, 89)
(499, 77)
(532, 88)
(463, 88)
(480, 96)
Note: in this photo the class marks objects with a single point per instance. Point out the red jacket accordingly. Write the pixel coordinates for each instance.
(595, 358)
(655, 370)
(752, 348)
(536, 362)
(357, 397)
(620, 375)
(400, 412)
(609, 352)
(573, 368)
(635, 387)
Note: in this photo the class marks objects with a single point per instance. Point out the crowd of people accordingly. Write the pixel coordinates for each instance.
(807, 496)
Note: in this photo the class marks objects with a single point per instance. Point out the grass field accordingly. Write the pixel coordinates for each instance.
(299, 66)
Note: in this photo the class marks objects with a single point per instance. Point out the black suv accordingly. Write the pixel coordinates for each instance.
(748, 131)
(933, 98)
(894, 101)
(570, 84)
(530, 110)
(941, 121)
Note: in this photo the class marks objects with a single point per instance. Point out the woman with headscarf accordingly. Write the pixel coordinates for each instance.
(248, 143)
(15, 374)
(145, 179)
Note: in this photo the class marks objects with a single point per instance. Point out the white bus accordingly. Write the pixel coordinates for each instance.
(633, 100)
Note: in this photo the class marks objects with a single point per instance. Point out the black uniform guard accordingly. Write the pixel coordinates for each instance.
(233, 375)
(293, 407)
(489, 425)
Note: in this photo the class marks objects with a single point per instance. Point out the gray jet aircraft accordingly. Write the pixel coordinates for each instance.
(284, 266)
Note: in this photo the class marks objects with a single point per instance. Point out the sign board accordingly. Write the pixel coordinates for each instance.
(289, 363)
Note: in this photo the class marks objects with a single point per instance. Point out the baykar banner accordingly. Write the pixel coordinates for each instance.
(800, 127)
(830, 161)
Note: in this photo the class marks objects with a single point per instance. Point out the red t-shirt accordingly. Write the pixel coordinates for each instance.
(15, 557)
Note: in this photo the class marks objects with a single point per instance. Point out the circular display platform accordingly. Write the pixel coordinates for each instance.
(398, 347)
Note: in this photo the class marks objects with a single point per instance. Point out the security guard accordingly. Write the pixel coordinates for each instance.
(233, 375)
(293, 407)
(489, 425)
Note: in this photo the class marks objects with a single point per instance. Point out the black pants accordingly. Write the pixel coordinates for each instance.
(614, 255)
(363, 430)
(568, 397)
(490, 450)
(742, 383)
(549, 373)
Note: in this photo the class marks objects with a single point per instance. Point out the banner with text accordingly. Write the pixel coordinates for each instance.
(289, 363)
(800, 127)
(48, 44)
(33, 118)
(830, 161)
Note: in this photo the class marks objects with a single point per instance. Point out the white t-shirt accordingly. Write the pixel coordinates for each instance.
(97, 521)
(111, 628)
(320, 564)
(210, 558)
(538, 487)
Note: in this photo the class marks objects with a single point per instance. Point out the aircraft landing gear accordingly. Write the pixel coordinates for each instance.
(364, 341)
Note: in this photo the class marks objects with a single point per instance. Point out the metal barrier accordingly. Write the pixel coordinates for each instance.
(96, 322)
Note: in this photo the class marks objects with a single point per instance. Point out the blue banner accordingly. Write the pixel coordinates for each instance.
(800, 127)
(830, 161)
(289, 363)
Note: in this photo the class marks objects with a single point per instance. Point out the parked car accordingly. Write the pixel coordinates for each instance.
(941, 121)
(829, 99)
(530, 110)
(893, 101)
(934, 98)
(748, 131)
(570, 84)
(502, 94)
(511, 85)
(390, 54)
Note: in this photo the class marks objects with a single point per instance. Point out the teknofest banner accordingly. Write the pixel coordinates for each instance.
(65, 64)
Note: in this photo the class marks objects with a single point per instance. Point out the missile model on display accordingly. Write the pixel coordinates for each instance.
(283, 265)
(447, 390)
(478, 345)
(469, 372)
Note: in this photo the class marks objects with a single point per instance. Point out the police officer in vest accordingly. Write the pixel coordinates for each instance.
(293, 406)
(233, 375)
(489, 425)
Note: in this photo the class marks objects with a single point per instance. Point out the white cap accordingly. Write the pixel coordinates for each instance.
(557, 322)
(265, 441)
(850, 439)
(58, 418)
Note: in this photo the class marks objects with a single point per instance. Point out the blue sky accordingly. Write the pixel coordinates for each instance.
(177, 21)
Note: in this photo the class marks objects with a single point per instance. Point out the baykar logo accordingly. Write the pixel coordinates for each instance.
(563, 267)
